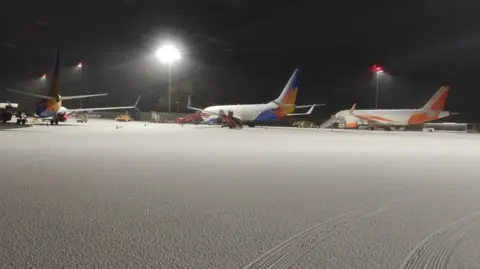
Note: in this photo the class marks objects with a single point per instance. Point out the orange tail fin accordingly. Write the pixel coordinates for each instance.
(438, 100)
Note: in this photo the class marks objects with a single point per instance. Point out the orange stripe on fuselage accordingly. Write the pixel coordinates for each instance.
(418, 118)
(372, 117)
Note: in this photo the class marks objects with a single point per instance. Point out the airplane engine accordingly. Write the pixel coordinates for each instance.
(351, 122)
(5, 116)
(62, 117)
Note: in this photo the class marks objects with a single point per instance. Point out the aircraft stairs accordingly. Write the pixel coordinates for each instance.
(190, 118)
(329, 122)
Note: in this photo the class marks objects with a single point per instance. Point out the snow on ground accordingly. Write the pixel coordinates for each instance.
(165, 196)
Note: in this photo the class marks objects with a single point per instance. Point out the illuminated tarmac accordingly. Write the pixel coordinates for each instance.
(149, 195)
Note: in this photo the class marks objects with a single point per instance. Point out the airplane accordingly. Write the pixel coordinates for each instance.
(6, 111)
(50, 106)
(432, 110)
(235, 116)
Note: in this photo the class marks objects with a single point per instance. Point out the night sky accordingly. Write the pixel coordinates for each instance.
(243, 51)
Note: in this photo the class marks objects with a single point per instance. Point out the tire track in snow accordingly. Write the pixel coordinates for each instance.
(433, 252)
(289, 251)
(285, 254)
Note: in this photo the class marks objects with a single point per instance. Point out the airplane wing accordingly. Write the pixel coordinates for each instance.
(51, 98)
(82, 96)
(189, 106)
(31, 94)
(8, 104)
(308, 112)
(104, 108)
(203, 111)
(304, 106)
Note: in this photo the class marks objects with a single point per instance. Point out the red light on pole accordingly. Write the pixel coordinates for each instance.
(376, 68)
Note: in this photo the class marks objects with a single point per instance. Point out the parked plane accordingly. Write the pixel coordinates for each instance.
(50, 107)
(237, 115)
(432, 110)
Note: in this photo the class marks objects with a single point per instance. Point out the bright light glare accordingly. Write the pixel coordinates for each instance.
(44, 76)
(377, 68)
(79, 65)
(168, 54)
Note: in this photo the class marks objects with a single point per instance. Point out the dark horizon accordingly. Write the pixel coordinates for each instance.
(244, 52)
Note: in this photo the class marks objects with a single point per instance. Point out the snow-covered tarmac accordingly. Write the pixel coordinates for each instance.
(162, 196)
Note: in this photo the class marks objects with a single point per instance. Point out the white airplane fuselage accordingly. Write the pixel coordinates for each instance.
(391, 117)
(247, 113)
(235, 115)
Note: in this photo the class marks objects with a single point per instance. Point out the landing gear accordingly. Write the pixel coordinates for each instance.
(53, 122)
(21, 118)
(251, 124)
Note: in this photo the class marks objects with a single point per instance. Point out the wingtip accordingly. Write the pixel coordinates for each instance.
(136, 103)
(189, 101)
(310, 110)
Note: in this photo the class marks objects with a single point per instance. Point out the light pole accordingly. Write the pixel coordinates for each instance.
(169, 54)
(378, 71)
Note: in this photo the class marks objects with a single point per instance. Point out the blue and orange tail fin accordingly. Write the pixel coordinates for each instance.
(289, 93)
(54, 91)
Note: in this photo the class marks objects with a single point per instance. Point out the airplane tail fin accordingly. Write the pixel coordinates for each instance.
(437, 102)
(289, 93)
(353, 108)
(55, 76)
